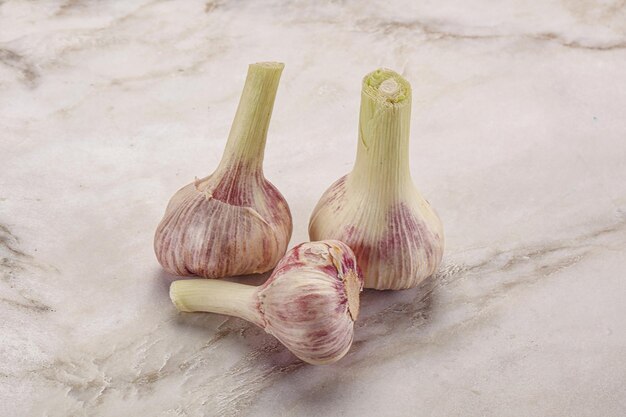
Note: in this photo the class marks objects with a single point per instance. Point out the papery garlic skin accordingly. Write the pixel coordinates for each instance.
(233, 222)
(309, 303)
(376, 209)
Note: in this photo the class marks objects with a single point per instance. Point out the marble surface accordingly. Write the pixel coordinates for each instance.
(518, 140)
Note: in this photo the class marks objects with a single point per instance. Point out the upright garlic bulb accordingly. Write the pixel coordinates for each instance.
(234, 221)
(309, 303)
(395, 234)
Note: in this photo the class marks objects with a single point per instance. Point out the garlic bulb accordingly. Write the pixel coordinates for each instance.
(233, 222)
(396, 235)
(309, 303)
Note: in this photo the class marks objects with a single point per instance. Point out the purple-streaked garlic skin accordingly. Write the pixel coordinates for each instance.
(407, 251)
(311, 300)
(214, 228)
(396, 235)
(233, 222)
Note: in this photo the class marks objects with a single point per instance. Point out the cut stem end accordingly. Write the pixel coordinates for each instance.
(177, 295)
(269, 65)
(387, 86)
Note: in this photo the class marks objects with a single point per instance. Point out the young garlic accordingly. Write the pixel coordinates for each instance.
(309, 303)
(233, 222)
(376, 209)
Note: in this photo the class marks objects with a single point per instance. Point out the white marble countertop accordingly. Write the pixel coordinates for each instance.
(518, 140)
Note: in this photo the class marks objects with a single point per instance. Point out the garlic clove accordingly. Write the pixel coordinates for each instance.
(309, 303)
(376, 209)
(233, 222)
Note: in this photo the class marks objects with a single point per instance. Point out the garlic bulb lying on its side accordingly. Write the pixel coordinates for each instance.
(233, 222)
(396, 236)
(309, 303)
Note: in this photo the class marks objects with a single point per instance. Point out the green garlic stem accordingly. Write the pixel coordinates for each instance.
(215, 296)
(382, 162)
(248, 134)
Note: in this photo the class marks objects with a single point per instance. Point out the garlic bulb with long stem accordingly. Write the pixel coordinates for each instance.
(233, 222)
(309, 303)
(376, 209)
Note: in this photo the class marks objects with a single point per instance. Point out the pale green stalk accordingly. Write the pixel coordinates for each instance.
(248, 133)
(382, 162)
(215, 296)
